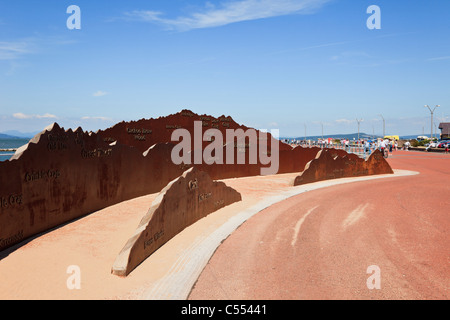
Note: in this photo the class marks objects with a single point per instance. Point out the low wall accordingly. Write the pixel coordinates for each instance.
(61, 175)
(182, 202)
(423, 149)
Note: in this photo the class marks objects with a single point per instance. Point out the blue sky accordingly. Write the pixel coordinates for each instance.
(269, 64)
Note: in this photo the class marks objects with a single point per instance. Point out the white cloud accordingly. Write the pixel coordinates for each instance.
(13, 50)
(21, 116)
(439, 58)
(100, 93)
(344, 121)
(97, 118)
(46, 116)
(351, 55)
(229, 12)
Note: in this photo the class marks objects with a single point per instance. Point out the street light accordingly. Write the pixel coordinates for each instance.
(359, 122)
(432, 112)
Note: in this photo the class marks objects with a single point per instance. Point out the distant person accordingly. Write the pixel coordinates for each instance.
(367, 146)
(382, 145)
(407, 144)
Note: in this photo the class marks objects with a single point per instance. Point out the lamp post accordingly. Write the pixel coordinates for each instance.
(359, 122)
(432, 112)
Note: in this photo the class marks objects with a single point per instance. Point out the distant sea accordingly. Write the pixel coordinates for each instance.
(7, 143)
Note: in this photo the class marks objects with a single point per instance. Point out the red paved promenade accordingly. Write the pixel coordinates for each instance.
(318, 245)
(311, 242)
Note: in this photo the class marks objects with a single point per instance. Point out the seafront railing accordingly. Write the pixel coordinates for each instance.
(360, 150)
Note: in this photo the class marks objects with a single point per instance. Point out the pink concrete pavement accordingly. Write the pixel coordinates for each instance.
(319, 245)
(315, 245)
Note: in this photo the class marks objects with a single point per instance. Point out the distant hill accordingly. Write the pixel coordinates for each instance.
(350, 136)
(7, 136)
(409, 137)
(14, 134)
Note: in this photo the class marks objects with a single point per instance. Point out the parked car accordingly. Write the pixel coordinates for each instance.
(443, 144)
(433, 144)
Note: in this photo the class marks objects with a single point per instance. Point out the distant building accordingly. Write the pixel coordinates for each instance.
(445, 130)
